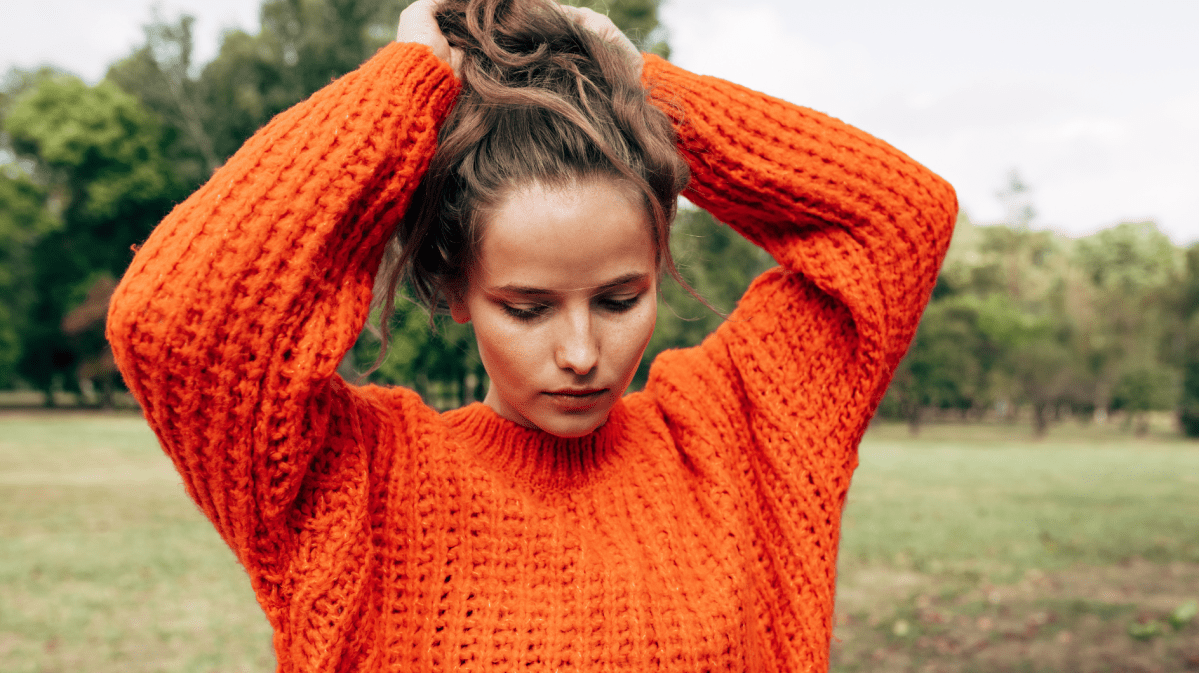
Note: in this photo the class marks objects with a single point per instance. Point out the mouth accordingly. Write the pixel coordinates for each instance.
(576, 392)
(576, 399)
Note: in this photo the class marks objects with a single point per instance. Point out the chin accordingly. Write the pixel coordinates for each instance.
(569, 426)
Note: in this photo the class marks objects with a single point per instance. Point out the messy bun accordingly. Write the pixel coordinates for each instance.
(543, 100)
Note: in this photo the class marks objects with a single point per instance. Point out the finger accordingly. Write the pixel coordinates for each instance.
(418, 23)
(607, 31)
(586, 17)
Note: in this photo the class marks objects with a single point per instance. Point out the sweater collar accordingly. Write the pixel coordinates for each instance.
(543, 461)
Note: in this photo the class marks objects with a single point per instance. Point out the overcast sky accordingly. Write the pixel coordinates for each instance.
(1095, 102)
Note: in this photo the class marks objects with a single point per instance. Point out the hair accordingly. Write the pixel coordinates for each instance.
(543, 100)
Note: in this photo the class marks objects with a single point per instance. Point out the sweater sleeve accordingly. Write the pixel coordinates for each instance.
(859, 230)
(233, 317)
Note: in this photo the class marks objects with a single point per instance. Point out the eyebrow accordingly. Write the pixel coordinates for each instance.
(537, 291)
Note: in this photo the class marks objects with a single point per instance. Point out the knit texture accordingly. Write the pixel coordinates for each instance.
(696, 530)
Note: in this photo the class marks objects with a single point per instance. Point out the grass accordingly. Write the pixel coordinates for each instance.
(976, 548)
(105, 565)
(1002, 505)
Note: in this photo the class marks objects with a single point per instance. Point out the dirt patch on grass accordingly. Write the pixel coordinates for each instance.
(1122, 618)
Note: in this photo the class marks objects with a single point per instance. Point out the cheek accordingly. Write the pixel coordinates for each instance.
(508, 355)
(640, 330)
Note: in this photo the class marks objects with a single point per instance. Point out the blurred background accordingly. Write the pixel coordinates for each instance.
(1028, 497)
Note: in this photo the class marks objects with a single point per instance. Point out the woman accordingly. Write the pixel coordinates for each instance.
(559, 524)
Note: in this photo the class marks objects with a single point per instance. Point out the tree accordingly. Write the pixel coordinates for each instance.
(1143, 388)
(946, 365)
(1012, 342)
(1131, 269)
(98, 155)
(23, 221)
(439, 359)
(301, 46)
(162, 75)
(1188, 311)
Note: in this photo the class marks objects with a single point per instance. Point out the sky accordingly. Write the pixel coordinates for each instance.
(1095, 103)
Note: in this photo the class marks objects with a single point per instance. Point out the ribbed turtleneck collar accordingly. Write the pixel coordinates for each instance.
(532, 456)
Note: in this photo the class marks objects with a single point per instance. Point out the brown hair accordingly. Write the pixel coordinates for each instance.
(543, 100)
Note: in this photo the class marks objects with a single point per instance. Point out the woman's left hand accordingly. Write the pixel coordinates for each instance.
(608, 32)
(418, 23)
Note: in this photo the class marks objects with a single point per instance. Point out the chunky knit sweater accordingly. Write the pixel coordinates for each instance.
(696, 530)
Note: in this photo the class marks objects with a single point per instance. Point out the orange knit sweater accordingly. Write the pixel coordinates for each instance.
(696, 530)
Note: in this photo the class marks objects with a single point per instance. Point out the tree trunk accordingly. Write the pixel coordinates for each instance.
(915, 416)
(480, 382)
(1040, 419)
(106, 393)
(1141, 427)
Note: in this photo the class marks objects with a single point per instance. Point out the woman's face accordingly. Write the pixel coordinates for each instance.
(563, 302)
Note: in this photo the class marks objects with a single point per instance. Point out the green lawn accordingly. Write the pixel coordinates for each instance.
(1001, 505)
(105, 565)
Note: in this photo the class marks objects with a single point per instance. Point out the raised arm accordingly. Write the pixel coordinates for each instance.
(771, 407)
(231, 321)
(860, 230)
(860, 219)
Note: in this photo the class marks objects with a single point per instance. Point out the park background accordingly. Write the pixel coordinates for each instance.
(1028, 499)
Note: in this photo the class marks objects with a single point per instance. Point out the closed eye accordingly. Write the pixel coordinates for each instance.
(619, 304)
(525, 312)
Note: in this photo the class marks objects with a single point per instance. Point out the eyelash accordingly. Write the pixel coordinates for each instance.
(537, 310)
(620, 305)
(525, 314)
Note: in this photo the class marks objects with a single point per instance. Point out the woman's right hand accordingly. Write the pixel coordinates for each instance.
(601, 25)
(418, 23)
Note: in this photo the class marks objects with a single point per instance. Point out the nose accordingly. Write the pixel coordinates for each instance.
(577, 349)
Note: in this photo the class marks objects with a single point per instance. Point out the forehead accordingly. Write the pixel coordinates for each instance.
(580, 234)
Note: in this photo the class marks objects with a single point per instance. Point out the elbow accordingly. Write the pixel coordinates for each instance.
(129, 328)
(945, 209)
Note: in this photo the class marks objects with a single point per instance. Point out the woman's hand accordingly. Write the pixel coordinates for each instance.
(608, 32)
(418, 23)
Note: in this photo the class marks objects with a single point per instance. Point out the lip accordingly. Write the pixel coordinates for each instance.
(576, 392)
(576, 399)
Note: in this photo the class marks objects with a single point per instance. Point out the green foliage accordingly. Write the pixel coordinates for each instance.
(1144, 630)
(1188, 411)
(96, 153)
(23, 220)
(438, 359)
(100, 152)
(100, 141)
(1145, 388)
(1132, 258)
(1188, 310)
(161, 75)
(1023, 318)
(300, 47)
(946, 364)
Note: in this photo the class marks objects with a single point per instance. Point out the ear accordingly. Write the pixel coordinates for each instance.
(455, 296)
(459, 312)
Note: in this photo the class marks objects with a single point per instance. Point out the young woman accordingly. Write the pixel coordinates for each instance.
(527, 160)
